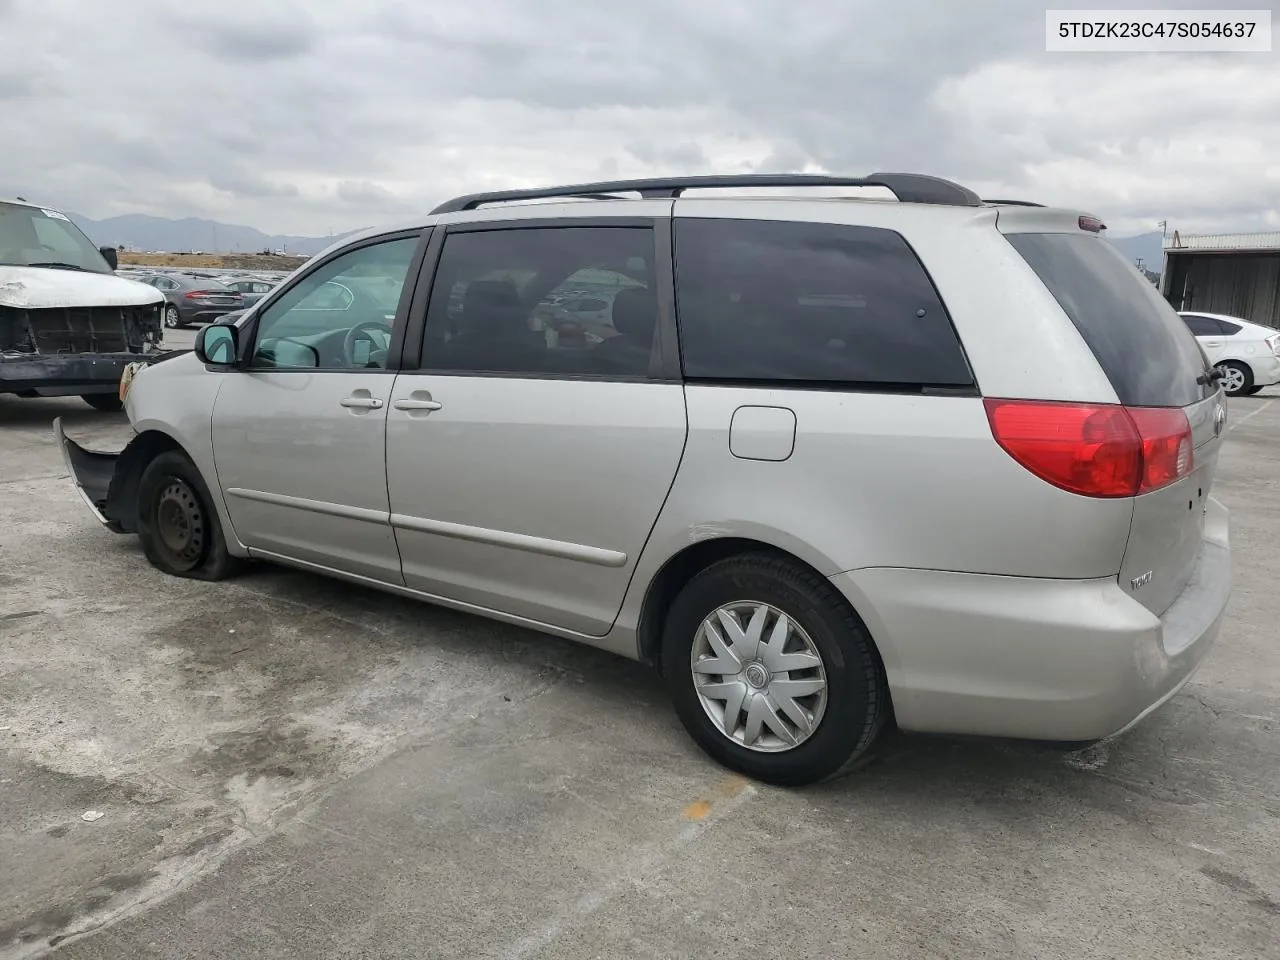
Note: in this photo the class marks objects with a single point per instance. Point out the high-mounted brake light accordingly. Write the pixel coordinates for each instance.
(1095, 450)
(1092, 224)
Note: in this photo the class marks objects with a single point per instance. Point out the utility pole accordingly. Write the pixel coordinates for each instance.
(1164, 228)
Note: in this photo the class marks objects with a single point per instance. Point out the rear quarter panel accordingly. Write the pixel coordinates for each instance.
(878, 480)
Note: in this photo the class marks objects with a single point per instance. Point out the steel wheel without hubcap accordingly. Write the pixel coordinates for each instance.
(1232, 379)
(759, 676)
(180, 524)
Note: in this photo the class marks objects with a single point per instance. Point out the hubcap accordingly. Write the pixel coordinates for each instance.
(1232, 379)
(759, 676)
(180, 523)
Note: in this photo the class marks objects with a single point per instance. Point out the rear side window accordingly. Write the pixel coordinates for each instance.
(1143, 346)
(1229, 328)
(812, 303)
(544, 301)
(1202, 326)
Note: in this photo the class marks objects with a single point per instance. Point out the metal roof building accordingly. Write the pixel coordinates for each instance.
(1237, 274)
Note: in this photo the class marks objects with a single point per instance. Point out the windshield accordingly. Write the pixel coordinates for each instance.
(33, 237)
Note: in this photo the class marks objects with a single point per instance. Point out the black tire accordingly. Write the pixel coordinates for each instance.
(1245, 372)
(173, 319)
(857, 705)
(1250, 391)
(173, 500)
(106, 402)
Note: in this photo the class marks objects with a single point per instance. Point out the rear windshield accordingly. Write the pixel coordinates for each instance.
(1145, 349)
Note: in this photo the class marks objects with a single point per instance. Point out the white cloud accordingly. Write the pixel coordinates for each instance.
(1192, 140)
(306, 118)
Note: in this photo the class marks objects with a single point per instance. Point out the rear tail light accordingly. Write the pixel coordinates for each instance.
(1095, 450)
(206, 294)
(1274, 343)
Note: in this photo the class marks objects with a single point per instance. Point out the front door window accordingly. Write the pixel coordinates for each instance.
(338, 317)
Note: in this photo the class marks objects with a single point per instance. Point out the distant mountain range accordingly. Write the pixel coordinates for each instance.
(190, 234)
(146, 233)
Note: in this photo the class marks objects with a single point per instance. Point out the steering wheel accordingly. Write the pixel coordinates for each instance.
(359, 332)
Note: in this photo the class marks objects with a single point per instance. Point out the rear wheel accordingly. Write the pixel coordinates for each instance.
(772, 672)
(172, 319)
(1237, 378)
(177, 523)
(106, 402)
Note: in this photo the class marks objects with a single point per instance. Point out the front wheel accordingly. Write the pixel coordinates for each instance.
(1249, 392)
(772, 672)
(1236, 378)
(177, 523)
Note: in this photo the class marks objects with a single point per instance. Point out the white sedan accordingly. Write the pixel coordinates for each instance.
(1248, 354)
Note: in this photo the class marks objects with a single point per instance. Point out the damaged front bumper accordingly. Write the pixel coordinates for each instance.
(91, 472)
(61, 375)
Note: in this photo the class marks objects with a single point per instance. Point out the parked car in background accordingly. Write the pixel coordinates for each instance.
(193, 299)
(1247, 354)
(252, 290)
(849, 488)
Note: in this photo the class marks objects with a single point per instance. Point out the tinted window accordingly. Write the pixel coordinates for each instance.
(1202, 326)
(339, 316)
(499, 302)
(1229, 328)
(809, 302)
(1147, 352)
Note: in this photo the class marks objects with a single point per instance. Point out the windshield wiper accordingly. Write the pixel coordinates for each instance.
(58, 265)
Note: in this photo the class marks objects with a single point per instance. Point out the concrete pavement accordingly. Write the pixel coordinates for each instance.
(288, 766)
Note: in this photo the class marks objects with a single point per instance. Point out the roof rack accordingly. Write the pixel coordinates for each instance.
(1014, 203)
(907, 187)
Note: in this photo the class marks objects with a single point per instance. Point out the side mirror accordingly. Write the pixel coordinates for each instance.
(216, 345)
(109, 255)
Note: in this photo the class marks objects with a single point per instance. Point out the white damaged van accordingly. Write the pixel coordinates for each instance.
(68, 325)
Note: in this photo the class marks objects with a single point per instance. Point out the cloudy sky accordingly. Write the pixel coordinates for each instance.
(308, 118)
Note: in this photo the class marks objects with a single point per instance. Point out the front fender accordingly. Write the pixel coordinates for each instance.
(176, 399)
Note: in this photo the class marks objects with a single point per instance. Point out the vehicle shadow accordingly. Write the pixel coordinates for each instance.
(903, 767)
(37, 412)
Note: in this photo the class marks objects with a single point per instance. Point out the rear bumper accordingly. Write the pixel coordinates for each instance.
(66, 374)
(1065, 660)
(1266, 371)
(203, 314)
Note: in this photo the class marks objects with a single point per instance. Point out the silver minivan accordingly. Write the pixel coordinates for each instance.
(829, 463)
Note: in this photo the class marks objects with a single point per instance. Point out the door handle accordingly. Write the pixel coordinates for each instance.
(417, 405)
(362, 403)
